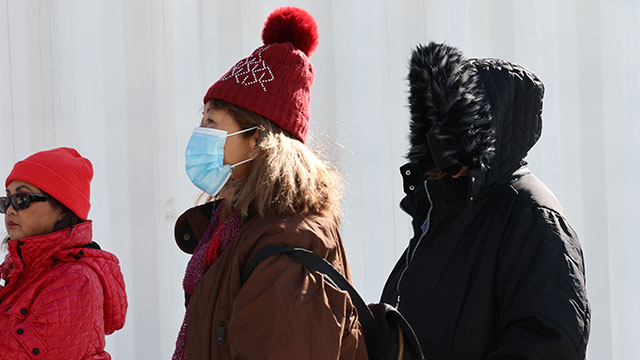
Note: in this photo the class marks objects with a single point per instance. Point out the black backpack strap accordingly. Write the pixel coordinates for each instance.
(312, 261)
(262, 254)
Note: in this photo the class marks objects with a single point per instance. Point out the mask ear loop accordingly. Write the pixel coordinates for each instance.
(243, 161)
(243, 131)
(231, 167)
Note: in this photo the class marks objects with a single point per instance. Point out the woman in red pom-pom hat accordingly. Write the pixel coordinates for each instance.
(61, 294)
(266, 188)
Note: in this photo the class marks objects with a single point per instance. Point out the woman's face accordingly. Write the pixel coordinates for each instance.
(238, 147)
(39, 218)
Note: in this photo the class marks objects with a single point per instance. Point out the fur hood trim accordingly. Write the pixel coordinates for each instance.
(447, 103)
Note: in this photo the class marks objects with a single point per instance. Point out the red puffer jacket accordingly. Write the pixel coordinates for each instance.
(60, 297)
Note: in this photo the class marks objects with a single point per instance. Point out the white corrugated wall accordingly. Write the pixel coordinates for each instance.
(122, 81)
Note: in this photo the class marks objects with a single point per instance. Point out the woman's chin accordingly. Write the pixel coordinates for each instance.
(14, 234)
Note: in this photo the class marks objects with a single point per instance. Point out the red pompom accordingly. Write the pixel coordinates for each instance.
(294, 25)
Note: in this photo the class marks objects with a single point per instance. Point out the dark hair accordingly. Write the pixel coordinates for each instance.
(435, 173)
(68, 219)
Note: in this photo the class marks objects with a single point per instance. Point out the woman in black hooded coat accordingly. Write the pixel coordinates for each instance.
(494, 269)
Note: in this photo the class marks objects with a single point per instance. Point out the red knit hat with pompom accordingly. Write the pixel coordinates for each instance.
(62, 173)
(275, 81)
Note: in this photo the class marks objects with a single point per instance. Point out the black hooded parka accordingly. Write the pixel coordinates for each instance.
(494, 269)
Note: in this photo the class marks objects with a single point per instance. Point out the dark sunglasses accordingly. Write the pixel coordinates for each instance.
(20, 201)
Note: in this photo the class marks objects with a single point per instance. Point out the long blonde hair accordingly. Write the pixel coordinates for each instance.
(286, 178)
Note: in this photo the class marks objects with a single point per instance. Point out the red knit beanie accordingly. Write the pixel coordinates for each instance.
(62, 173)
(275, 81)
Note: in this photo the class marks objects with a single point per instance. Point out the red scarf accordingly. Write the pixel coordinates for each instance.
(222, 235)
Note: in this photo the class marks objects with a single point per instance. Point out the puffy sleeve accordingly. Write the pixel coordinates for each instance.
(285, 311)
(62, 322)
(544, 312)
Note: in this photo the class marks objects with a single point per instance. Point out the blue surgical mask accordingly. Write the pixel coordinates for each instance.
(204, 159)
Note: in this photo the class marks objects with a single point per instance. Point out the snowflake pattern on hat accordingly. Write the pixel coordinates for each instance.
(252, 70)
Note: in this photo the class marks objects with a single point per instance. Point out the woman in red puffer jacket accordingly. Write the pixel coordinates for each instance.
(59, 293)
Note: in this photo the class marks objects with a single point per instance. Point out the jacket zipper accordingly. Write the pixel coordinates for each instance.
(411, 254)
(19, 251)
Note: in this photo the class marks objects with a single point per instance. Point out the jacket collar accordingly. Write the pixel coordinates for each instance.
(34, 251)
(443, 194)
(192, 224)
(446, 195)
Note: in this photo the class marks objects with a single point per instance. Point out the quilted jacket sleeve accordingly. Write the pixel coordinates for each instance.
(544, 312)
(63, 320)
(284, 311)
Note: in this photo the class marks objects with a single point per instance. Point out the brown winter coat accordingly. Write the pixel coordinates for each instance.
(283, 311)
